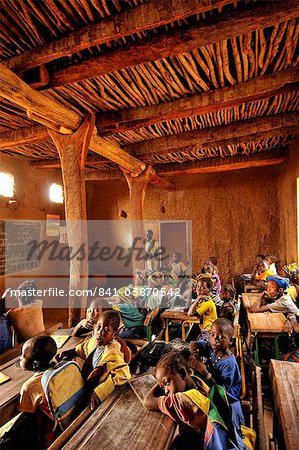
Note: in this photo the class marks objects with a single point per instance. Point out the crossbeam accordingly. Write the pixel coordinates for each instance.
(211, 135)
(207, 102)
(143, 17)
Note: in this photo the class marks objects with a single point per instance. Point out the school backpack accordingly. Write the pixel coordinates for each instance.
(225, 428)
(63, 387)
(5, 335)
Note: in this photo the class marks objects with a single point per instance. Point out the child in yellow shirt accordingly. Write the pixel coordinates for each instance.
(204, 306)
(104, 366)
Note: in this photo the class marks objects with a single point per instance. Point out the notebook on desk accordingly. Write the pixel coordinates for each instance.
(61, 336)
(3, 378)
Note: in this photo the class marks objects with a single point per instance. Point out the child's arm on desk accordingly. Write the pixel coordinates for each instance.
(257, 308)
(150, 402)
(261, 305)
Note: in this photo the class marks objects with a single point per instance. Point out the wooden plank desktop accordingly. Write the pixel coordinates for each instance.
(249, 299)
(10, 391)
(284, 379)
(121, 422)
(266, 324)
(176, 316)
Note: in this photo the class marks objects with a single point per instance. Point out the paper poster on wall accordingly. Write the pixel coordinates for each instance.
(53, 225)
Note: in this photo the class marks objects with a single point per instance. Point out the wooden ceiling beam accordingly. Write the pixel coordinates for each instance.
(228, 97)
(59, 117)
(178, 42)
(143, 17)
(95, 175)
(210, 135)
(39, 107)
(55, 163)
(208, 165)
(24, 136)
(157, 181)
(226, 164)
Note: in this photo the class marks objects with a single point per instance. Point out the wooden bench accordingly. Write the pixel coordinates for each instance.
(10, 391)
(284, 379)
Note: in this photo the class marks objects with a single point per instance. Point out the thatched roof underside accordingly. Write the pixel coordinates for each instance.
(29, 24)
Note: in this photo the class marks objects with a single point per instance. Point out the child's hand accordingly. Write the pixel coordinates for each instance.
(94, 401)
(67, 354)
(197, 364)
(193, 347)
(202, 298)
(89, 325)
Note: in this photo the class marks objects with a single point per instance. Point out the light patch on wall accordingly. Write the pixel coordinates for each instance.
(6, 184)
(56, 194)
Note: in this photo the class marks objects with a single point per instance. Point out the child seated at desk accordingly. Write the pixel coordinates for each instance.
(221, 365)
(204, 306)
(262, 272)
(228, 295)
(275, 299)
(291, 272)
(210, 268)
(104, 366)
(132, 318)
(27, 319)
(85, 326)
(178, 267)
(37, 355)
(272, 260)
(173, 380)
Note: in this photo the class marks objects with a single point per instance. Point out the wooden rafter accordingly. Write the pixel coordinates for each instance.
(244, 143)
(228, 97)
(23, 136)
(146, 16)
(59, 118)
(210, 135)
(40, 108)
(210, 165)
(210, 32)
(55, 163)
(224, 165)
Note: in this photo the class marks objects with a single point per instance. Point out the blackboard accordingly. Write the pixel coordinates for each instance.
(14, 239)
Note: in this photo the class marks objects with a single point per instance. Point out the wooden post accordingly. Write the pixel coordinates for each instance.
(72, 150)
(137, 187)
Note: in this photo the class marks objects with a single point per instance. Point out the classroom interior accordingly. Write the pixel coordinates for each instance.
(159, 112)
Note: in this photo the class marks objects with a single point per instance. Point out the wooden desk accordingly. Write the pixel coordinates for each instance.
(121, 422)
(251, 287)
(10, 391)
(177, 316)
(266, 324)
(249, 299)
(284, 379)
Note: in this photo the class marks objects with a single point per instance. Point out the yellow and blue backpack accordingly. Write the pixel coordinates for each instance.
(63, 387)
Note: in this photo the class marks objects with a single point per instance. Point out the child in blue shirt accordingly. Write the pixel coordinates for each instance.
(221, 365)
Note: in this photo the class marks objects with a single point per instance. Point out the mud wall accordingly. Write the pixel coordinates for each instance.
(289, 204)
(235, 215)
(33, 203)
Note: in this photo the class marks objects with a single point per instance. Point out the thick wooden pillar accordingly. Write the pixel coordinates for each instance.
(137, 187)
(72, 150)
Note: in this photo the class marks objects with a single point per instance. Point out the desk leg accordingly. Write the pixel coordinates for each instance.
(183, 332)
(166, 331)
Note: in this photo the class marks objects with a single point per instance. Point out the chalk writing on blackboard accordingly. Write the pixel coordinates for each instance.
(14, 239)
